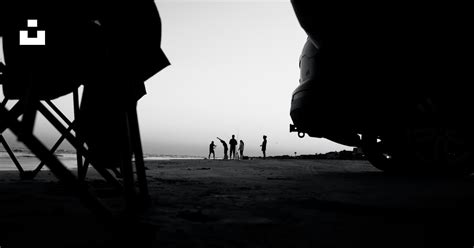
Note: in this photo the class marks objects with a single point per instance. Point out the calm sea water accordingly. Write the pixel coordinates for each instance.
(29, 162)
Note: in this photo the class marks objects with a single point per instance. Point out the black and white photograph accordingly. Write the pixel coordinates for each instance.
(236, 123)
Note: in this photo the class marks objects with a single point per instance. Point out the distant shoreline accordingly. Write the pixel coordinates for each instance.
(69, 157)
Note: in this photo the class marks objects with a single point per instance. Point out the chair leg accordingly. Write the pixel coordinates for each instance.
(12, 156)
(52, 150)
(29, 111)
(4, 102)
(127, 169)
(58, 112)
(85, 167)
(15, 112)
(56, 167)
(81, 166)
(138, 152)
(71, 139)
(32, 174)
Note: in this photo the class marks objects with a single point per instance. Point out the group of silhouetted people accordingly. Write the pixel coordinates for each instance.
(233, 146)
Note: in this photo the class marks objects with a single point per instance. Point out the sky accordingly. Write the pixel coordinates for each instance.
(234, 68)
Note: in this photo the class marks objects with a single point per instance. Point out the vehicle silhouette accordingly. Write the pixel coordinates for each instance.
(391, 80)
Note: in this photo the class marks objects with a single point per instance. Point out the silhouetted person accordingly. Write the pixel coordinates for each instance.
(233, 146)
(264, 146)
(241, 149)
(211, 150)
(225, 148)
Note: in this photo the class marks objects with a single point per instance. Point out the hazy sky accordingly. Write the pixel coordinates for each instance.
(234, 67)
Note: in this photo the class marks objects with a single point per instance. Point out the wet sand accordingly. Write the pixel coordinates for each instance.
(256, 203)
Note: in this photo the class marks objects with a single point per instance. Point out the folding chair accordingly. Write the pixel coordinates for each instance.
(91, 28)
(28, 104)
(23, 131)
(81, 166)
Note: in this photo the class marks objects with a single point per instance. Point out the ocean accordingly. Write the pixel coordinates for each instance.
(29, 162)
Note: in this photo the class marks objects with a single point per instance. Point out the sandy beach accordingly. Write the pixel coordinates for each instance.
(252, 203)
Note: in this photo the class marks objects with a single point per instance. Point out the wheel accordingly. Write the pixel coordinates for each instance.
(444, 150)
(440, 151)
(386, 153)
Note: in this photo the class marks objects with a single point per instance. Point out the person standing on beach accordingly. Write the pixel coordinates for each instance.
(225, 147)
(211, 150)
(264, 146)
(241, 149)
(233, 145)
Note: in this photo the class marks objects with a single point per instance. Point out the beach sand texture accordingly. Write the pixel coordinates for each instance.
(252, 203)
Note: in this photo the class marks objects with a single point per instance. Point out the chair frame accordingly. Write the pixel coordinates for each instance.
(23, 131)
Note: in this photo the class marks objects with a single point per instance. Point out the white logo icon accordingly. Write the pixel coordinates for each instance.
(39, 40)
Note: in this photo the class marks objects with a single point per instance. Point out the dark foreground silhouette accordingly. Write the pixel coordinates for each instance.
(93, 44)
(109, 47)
(390, 79)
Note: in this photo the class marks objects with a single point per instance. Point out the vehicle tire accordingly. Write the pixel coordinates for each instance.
(386, 154)
(427, 151)
(444, 151)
